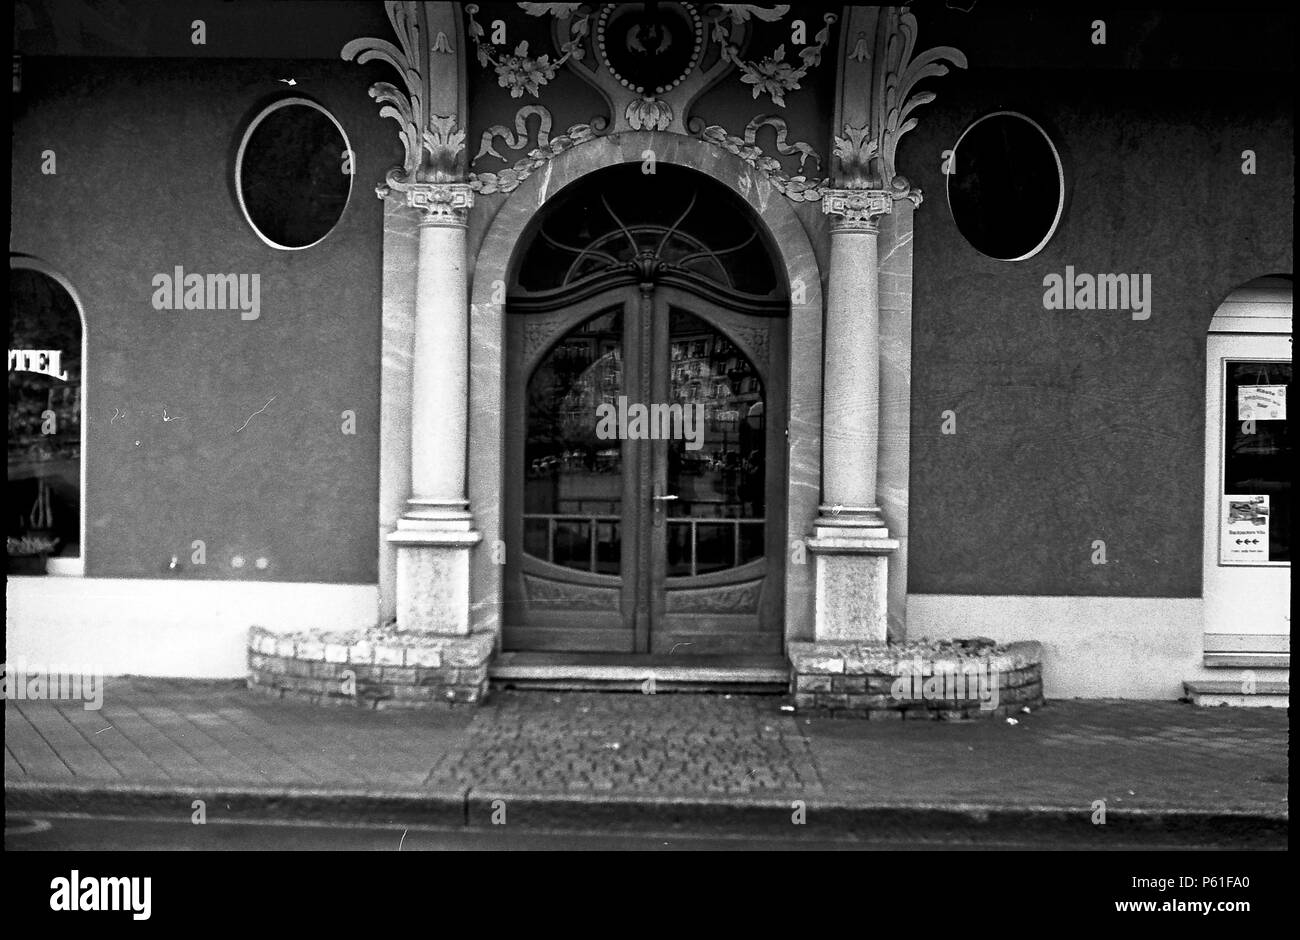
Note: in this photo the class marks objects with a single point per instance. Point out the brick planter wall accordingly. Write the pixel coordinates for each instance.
(377, 668)
(941, 680)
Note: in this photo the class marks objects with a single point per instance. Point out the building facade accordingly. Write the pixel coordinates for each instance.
(702, 331)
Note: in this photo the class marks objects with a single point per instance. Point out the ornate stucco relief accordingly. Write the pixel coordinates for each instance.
(518, 138)
(432, 171)
(771, 75)
(517, 70)
(798, 188)
(598, 42)
(879, 71)
(876, 99)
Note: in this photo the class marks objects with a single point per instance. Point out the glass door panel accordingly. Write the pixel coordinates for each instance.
(1257, 463)
(716, 467)
(573, 481)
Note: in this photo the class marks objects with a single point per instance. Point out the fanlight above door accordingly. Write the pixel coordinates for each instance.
(630, 227)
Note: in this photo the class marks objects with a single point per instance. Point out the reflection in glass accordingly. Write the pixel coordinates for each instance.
(1258, 453)
(724, 479)
(573, 481)
(44, 497)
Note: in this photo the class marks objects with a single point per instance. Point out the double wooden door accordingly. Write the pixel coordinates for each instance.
(645, 476)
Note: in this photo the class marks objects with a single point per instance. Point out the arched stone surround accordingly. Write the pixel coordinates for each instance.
(502, 220)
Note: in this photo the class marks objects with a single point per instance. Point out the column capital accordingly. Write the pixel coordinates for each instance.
(856, 210)
(440, 203)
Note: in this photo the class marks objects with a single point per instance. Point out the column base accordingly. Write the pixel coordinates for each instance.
(433, 573)
(852, 579)
(851, 521)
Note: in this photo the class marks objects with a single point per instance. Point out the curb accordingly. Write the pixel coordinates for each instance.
(827, 818)
(224, 802)
(953, 824)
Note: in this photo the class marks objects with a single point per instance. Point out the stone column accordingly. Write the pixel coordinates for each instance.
(435, 533)
(850, 541)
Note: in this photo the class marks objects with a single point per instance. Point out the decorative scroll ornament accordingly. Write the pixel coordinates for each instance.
(433, 144)
(797, 188)
(647, 62)
(866, 153)
(771, 75)
(517, 139)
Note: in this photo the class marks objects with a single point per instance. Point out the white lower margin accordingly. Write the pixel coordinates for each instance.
(1093, 647)
(194, 629)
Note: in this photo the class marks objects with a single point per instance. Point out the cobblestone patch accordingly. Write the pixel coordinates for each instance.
(597, 743)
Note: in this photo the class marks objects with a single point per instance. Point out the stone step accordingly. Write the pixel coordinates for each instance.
(631, 672)
(1212, 692)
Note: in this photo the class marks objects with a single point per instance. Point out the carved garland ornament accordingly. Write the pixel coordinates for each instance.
(518, 71)
(547, 148)
(523, 73)
(797, 188)
(771, 75)
(865, 153)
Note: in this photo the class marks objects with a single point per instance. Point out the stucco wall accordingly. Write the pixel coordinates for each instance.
(145, 151)
(1078, 426)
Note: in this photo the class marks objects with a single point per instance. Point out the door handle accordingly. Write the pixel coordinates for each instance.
(658, 500)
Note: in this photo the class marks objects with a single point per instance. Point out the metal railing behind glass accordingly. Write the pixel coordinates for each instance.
(562, 552)
(591, 542)
(721, 549)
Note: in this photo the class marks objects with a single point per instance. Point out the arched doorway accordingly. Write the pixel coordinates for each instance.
(1249, 457)
(645, 415)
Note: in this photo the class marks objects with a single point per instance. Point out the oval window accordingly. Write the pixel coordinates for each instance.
(293, 173)
(1006, 187)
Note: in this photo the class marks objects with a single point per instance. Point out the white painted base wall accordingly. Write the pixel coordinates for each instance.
(193, 629)
(1093, 647)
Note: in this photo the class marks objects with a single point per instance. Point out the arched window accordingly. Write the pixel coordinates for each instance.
(46, 516)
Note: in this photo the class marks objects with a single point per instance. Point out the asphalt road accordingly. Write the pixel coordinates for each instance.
(76, 832)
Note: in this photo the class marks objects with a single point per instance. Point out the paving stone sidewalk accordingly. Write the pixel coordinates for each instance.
(1140, 757)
